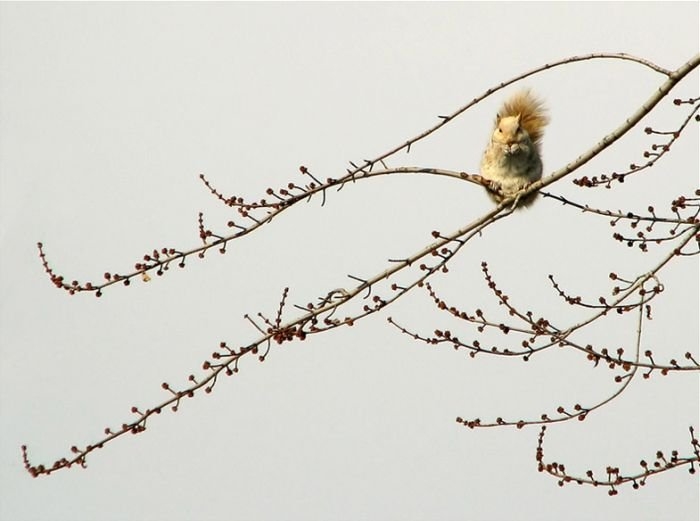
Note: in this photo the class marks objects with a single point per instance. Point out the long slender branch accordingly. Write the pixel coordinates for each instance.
(614, 477)
(172, 255)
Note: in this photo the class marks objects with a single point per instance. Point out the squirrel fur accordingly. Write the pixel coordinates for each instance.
(512, 159)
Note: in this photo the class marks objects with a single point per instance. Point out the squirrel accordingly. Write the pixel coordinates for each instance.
(512, 159)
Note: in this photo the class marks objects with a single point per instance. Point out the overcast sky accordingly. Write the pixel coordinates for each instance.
(108, 114)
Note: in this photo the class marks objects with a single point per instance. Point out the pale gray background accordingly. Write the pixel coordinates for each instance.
(108, 112)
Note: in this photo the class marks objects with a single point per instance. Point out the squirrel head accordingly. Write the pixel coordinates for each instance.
(530, 112)
(510, 134)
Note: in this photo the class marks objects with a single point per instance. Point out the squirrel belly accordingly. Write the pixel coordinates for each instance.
(512, 159)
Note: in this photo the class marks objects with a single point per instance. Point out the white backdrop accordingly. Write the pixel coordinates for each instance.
(108, 113)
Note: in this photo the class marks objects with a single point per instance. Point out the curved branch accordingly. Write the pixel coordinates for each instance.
(614, 476)
(172, 255)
